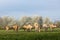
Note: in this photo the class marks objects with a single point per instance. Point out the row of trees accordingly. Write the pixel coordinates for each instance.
(6, 20)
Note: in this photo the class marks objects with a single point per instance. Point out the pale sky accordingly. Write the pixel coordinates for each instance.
(18, 8)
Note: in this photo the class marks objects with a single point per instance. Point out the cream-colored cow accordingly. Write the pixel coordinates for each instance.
(7, 28)
(52, 26)
(45, 26)
(27, 27)
(15, 27)
(36, 26)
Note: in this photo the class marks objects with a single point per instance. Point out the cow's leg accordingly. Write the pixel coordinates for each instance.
(7, 28)
(51, 28)
(39, 29)
(17, 28)
(36, 29)
(24, 29)
(30, 29)
(46, 28)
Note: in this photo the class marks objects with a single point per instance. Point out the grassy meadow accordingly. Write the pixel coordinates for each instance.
(22, 35)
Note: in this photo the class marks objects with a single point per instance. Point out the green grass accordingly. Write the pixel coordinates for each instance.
(22, 35)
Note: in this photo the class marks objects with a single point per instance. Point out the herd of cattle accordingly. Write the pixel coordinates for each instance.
(37, 27)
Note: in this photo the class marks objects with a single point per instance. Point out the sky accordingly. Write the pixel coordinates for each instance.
(19, 8)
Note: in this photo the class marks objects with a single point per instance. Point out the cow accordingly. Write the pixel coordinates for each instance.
(7, 28)
(52, 26)
(37, 27)
(15, 27)
(45, 26)
(27, 27)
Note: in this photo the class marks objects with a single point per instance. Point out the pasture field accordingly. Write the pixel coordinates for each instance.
(22, 35)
